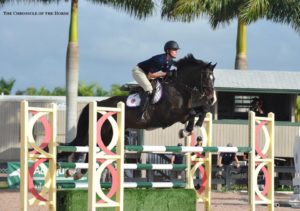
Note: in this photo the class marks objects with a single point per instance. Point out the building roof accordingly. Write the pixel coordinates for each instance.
(285, 82)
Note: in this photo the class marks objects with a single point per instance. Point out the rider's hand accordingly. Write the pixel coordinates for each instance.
(162, 74)
(156, 74)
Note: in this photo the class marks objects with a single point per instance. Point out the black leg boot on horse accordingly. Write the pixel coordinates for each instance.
(145, 101)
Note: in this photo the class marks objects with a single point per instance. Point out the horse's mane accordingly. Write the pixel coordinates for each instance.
(190, 60)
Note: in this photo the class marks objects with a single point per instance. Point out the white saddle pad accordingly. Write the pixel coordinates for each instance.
(134, 100)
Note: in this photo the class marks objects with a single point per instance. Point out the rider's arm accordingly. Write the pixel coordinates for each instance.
(156, 74)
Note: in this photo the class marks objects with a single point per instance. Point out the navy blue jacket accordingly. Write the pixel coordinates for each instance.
(156, 63)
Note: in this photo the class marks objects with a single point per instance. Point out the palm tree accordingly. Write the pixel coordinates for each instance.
(87, 90)
(225, 11)
(6, 86)
(138, 8)
(117, 91)
(59, 91)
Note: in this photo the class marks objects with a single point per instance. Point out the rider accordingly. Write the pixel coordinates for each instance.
(155, 67)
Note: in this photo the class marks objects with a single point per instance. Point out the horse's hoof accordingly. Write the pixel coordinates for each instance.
(180, 134)
(77, 176)
(69, 173)
(199, 124)
(183, 133)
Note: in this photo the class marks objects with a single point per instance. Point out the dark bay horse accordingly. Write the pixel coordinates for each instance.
(184, 97)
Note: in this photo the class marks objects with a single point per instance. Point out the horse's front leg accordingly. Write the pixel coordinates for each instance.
(201, 117)
(189, 127)
(201, 113)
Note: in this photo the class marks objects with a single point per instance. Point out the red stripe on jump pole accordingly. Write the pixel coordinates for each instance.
(114, 183)
(257, 149)
(267, 181)
(204, 179)
(48, 133)
(31, 187)
(99, 137)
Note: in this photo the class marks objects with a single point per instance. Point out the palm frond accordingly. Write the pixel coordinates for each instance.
(138, 8)
(252, 10)
(46, 2)
(286, 12)
(224, 11)
(182, 10)
(279, 11)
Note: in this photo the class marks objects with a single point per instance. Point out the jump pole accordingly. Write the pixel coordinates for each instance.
(206, 132)
(259, 159)
(106, 156)
(37, 156)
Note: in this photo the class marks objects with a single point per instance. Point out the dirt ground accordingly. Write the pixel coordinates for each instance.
(228, 201)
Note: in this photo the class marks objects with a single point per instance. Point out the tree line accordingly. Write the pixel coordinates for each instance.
(84, 89)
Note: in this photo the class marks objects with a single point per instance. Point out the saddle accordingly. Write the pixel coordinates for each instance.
(135, 91)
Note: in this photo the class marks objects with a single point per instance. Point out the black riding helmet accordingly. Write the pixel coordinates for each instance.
(171, 45)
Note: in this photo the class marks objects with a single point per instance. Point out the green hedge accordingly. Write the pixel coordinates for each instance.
(134, 200)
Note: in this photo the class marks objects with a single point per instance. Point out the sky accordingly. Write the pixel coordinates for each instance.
(33, 47)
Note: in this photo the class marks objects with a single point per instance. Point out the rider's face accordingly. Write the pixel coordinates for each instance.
(173, 53)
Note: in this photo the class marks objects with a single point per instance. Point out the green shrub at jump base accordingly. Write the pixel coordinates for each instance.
(134, 200)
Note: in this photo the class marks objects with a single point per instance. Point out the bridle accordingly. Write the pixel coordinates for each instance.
(194, 89)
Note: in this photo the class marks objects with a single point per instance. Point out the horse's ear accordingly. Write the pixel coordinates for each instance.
(214, 65)
(208, 65)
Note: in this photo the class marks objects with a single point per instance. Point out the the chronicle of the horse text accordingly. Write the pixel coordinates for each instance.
(34, 13)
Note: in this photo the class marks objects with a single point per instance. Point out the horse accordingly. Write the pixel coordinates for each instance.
(184, 97)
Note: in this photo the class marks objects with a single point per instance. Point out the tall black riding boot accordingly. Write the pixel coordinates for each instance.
(145, 100)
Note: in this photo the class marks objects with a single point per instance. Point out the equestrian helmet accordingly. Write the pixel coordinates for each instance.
(171, 45)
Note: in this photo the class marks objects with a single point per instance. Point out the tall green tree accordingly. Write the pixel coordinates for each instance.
(6, 86)
(117, 91)
(87, 89)
(298, 109)
(225, 11)
(59, 91)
